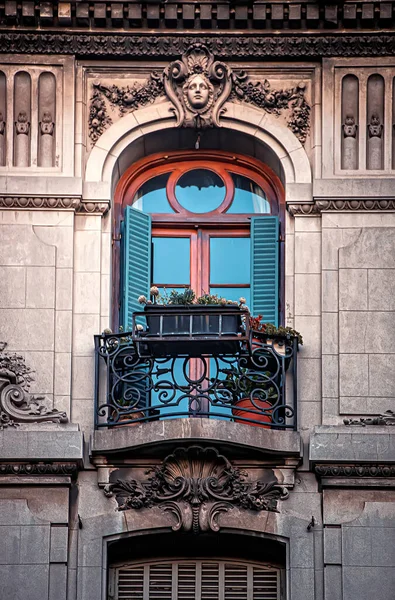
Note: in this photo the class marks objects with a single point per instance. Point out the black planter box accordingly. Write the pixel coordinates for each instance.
(192, 330)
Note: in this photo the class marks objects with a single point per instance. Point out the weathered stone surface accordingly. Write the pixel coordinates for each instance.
(353, 374)
(353, 289)
(381, 289)
(373, 248)
(350, 443)
(17, 579)
(287, 442)
(41, 444)
(333, 582)
(332, 545)
(58, 544)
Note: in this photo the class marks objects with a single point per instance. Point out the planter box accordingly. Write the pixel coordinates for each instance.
(192, 330)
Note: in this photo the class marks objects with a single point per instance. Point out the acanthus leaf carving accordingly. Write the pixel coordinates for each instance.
(17, 405)
(196, 485)
(198, 86)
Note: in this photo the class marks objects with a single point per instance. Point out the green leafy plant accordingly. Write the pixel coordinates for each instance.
(258, 326)
(241, 384)
(186, 297)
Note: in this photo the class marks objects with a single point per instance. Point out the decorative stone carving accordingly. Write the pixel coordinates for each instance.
(16, 404)
(22, 140)
(196, 485)
(350, 127)
(47, 128)
(356, 470)
(2, 140)
(22, 125)
(315, 208)
(198, 86)
(375, 127)
(2, 124)
(125, 99)
(39, 202)
(144, 45)
(68, 469)
(388, 418)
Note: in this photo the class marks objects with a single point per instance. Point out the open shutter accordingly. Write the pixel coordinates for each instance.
(136, 262)
(265, 245)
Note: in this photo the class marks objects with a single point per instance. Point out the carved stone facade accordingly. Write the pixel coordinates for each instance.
(300, 95)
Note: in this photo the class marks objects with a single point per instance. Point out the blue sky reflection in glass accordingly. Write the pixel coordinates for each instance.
(200, 191)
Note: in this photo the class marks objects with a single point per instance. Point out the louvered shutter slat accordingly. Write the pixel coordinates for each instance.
(265, 267)
(136, 262)
(183, 580)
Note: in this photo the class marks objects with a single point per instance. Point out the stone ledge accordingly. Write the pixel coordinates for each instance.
(348, 444)
(41, 445)
(286, 443)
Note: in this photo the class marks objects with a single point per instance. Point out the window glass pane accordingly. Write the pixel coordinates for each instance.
(200, 191)
(232, 293)
(229, 260)
(249, 197)
(171, 260)
(151, 197)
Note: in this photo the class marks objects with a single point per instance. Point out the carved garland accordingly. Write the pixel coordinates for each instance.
(68, 469)
(17, 405)
(196, 485)
(387, 418)
(198, 87)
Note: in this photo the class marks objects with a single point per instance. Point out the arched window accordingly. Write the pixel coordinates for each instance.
(205, 220)
(206, 579)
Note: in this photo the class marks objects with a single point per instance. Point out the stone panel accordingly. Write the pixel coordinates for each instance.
(57, 582)
(20, 246)
(40, 287)
(367, 583)
(353, 369)
(307, 294)
(373, 249)
(370, 332)
(307, 252)
(309, 379)
(332, 545)
(13, 287)
(381, 289)
(28, 329)
(353, 289)
(382, 375)
(19, 580)
(34, 544)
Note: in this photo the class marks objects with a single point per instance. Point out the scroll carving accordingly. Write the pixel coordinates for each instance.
(387, 418)
(17, 405)
(198, 86)
(196, 485)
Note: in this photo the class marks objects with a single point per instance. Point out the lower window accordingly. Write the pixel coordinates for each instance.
(195, 580)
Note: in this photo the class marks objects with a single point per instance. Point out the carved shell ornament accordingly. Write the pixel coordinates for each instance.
(198, 86)
(196, 485)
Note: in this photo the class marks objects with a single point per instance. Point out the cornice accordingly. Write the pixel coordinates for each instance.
(231, 46)
(23, 469)
(354, 470)
(314, 209)
(54, 203)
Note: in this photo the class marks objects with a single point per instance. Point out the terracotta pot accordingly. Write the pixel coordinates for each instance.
(243, 407)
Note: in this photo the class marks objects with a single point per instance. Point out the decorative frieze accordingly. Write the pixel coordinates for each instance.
(355, 470)
(23, 469)
(229, 46)
(198, 86)
(358, 205)
(39, 202)
(196, 485)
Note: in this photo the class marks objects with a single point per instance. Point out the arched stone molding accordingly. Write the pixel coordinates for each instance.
(101, 167)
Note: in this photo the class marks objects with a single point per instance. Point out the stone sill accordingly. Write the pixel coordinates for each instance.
(181, 431)
(350, 444)
(44, 444)
(354, 186)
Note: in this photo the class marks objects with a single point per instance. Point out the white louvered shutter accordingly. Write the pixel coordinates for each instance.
(197, 580)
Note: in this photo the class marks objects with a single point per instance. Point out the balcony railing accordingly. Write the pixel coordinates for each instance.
(195, 363)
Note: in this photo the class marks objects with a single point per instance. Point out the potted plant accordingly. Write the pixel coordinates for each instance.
(252, 396)
(213, 324)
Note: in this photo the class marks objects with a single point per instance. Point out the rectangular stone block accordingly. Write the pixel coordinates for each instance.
(372, 249)
(310, 327)
(330, 291)
(367, 332)
(13, 287)
(16, 580)
(87, 251)
(333, 545)
(307, 294)
(302, 583)
(353, 289)
(62, 373)
(34, 544)
(28, 329)
(64, 289)
(330, 333)
(82, 377)
(63, 329)
(40, 287)
(353, 372)
(381, 289)
(57, 582)
(330, 376)
(381, 375)
(375, 582)
(307, 252)
(20, 246)
(86, 293)
(10, 537)
(62, 239)
(85, 327)
(59, 543)
(309, 379)
(333, 582)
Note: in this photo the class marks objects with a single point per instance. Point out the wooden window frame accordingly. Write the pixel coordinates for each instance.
(176, 164)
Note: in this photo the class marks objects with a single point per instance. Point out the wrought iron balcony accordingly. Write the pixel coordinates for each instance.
(202, 362)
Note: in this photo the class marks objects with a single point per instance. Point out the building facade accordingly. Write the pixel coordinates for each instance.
(239, 149)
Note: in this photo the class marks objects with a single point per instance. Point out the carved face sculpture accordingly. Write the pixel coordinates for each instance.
(46, 124)
(22, 125)
(198, 92)
(375, 127)
(349, 127)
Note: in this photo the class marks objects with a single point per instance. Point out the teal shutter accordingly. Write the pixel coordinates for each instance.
(265, 246)
(136, 262)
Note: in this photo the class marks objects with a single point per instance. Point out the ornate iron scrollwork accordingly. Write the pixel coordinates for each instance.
(196, 485)
(17, 405)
